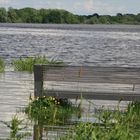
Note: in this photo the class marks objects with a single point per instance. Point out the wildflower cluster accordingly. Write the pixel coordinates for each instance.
(47, 101)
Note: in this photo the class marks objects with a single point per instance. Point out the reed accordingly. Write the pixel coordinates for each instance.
(2, 65)
(110, 125)
(26, 64)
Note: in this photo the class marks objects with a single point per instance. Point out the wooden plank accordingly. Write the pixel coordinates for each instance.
(90, 68)
(105, 91)
(92, 74)
(94, 79)
(73, 86)
(125, 96)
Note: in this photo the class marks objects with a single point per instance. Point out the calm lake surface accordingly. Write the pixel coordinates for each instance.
(96, 45)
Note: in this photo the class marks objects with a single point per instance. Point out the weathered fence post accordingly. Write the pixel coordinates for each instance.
(38, 80)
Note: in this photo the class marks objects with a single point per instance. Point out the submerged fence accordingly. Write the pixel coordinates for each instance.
(105, 83)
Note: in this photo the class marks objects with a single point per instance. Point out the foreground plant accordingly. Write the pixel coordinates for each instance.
(26, 64)
(2, 65)
(16, 127)
(50, 110)
(110, 125)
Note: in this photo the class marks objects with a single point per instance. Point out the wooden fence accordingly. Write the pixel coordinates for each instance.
(105, 83)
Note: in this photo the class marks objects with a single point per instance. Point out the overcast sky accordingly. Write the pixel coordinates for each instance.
(79, 6)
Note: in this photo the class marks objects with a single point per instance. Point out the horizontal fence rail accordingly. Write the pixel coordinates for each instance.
(122, 76)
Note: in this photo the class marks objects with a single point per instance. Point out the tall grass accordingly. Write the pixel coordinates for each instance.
(26, 64)
(17, 128)
(110, 125)
(2, 65)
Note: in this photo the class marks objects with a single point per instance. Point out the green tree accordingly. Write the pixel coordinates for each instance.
(128, 19)
(70, 18)
(138, 18)
(54, 16)
(43, 14)
(104, 19)
(3, 15)
(93, 20)
(12, 15)
(118, 18)
(30, 15)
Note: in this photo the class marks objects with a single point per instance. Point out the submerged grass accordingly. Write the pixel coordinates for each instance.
(2, 65)
(50, 111)
(110, 125)
(17, 128)
(26, 64)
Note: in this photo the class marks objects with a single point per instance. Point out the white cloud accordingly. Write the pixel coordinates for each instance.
(93, 6)
(4, 1)
(49, 4)
(88, 4)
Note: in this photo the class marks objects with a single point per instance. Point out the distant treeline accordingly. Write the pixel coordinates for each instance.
(31, 15)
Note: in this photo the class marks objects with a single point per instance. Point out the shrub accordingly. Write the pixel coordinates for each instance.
(50, 110)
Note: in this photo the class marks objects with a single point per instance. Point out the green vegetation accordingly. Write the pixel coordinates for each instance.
(2, 65)
(110, 125)
(31, 15)
(16, 129)
(50, 110)
(26, 64)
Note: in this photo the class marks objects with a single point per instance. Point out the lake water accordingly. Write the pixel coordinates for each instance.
(96, 45)
(100, 45)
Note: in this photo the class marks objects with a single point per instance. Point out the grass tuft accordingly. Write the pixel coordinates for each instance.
(26, 64)
(2, 65)
(17, 128)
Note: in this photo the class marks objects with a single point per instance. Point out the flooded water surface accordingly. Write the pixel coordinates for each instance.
(96, 45)
(89, 46)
